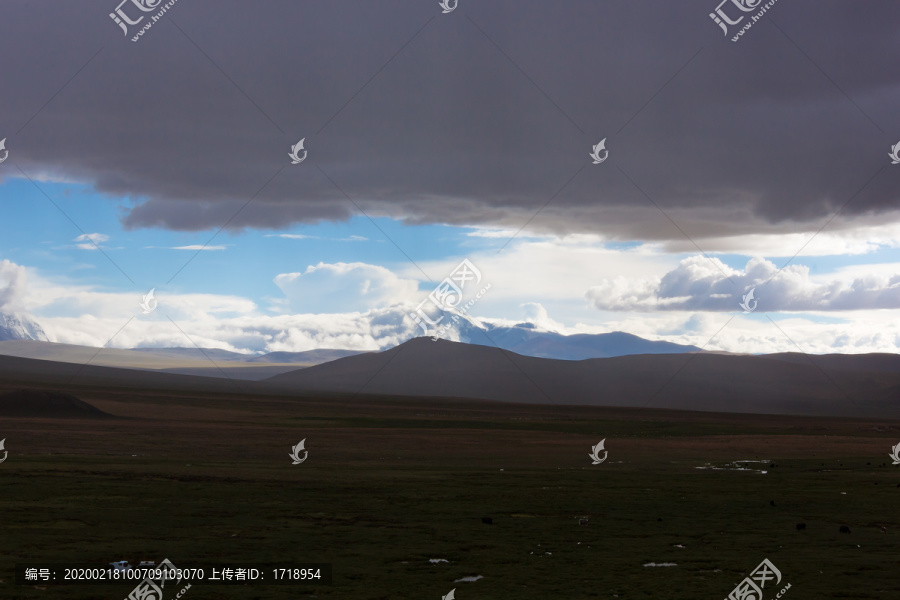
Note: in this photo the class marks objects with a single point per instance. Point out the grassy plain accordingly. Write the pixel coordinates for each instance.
(390, 484)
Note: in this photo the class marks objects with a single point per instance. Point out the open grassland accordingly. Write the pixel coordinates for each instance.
(390, 484)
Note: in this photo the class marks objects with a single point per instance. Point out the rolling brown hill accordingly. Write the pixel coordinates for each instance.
(788, 384)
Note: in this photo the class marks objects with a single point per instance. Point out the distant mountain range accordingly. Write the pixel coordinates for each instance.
(517, 363)
(206, 362)
(308, 357)
(312, 357)
(527, 339)
(863, 386)
(524, 338)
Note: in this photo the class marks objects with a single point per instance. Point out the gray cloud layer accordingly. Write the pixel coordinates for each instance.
(748, 137)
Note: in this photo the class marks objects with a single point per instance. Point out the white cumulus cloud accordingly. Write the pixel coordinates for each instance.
(12, 285)
(707, 284)
(344, 287)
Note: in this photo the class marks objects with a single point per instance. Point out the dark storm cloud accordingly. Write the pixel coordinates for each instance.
(774, 132)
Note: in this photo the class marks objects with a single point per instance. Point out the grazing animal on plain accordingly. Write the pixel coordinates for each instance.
(801, 526)
(845, 529)
(487, 520)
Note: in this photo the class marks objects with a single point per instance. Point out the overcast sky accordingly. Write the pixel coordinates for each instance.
(761, 163)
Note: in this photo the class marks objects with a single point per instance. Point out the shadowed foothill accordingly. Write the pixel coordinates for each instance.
(770, 384)
(47, 404)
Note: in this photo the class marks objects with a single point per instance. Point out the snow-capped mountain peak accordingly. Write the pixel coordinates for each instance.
(20, 327)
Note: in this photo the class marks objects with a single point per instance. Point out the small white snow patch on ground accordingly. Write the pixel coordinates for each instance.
(661, 565)
(734, 466)
(437, 560)
(679, 546)
(469, 579)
